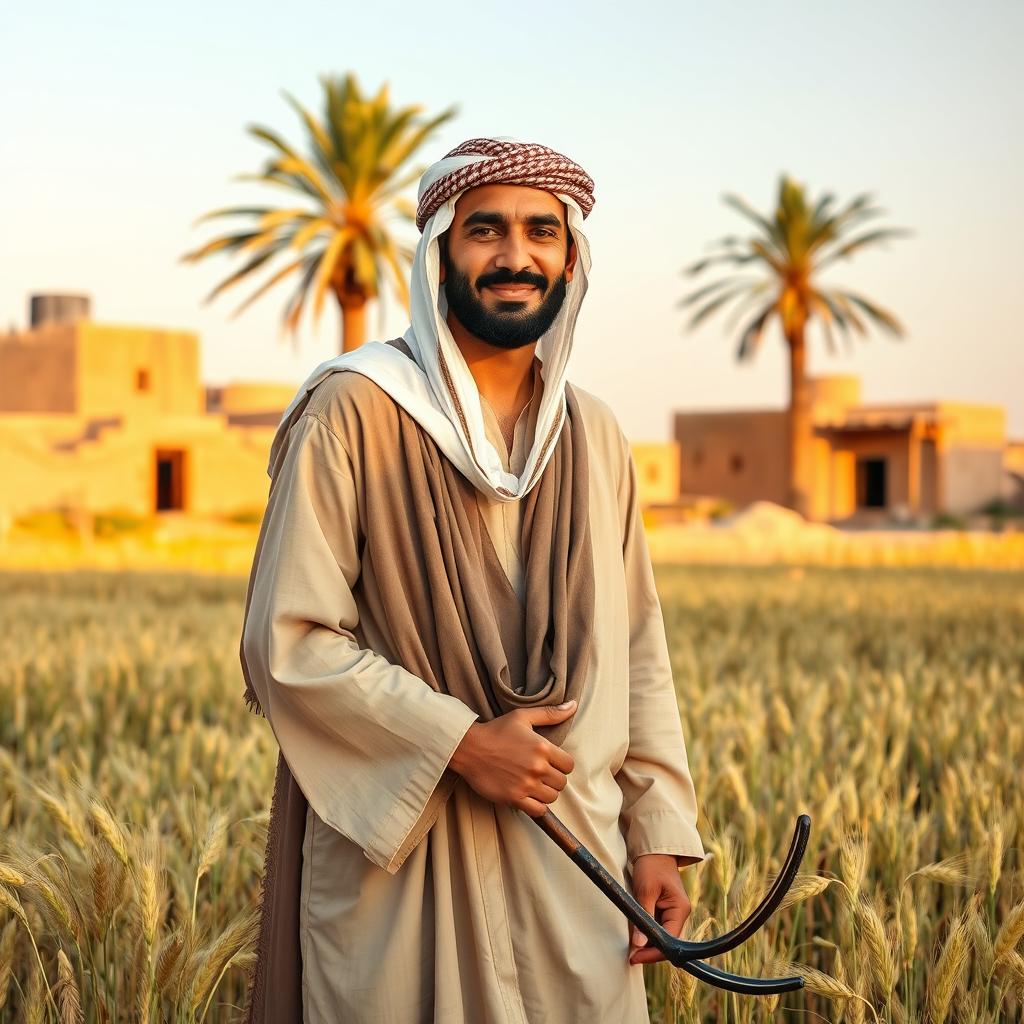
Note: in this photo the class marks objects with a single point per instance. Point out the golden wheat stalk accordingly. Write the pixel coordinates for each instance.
(880, 958)
(1012, 965)
(147, 901)
(167, 958)
(908, 926)
(54, 897)
(237, 936)
(8, 941)
(805, 886)
(820, 983)
(13, 904)
(58, 810)
(996, 849)
(11, 876)
(1010, 932)
(34, 1006)
(852, 864)
(950, 871)
(186, 963)
(110, 831)
(100, 889)
(949, 969)
(66, 989)
(982, 942)
(212, 850)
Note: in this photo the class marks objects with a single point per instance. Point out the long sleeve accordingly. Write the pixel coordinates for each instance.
(659, 810)
(367, 741)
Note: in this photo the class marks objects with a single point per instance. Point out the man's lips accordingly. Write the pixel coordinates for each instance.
(512, 291)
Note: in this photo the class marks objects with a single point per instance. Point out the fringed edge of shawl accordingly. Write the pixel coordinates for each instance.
(252, 702)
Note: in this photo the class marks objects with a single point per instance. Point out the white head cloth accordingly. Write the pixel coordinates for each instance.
(441, 403)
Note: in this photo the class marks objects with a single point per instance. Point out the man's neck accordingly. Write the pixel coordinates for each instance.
(504, 377)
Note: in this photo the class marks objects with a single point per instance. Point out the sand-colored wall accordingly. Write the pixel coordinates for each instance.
(38, 370)
(229, 472)
(972, 424)
(971, 447)
(92, 369)
(1013, 457)
(255, 396)
(708, 441)
(35, 476)
(224, 470)
(972, 476)
(830, 495)
(657, 470)
(833, 394)
(110, 357)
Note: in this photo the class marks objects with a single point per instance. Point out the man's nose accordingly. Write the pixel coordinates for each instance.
(514, 253)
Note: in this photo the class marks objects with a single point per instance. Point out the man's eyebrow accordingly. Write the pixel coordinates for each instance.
(495, 219)
(542, 219)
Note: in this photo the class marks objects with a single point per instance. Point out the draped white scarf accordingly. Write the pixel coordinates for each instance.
(421, 387)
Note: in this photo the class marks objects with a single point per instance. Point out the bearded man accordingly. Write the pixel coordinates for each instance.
(452, 622)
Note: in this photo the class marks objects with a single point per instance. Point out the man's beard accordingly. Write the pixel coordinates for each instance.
(507, 326)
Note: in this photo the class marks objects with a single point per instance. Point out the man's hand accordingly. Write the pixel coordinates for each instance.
(657, 887)
(506, 762)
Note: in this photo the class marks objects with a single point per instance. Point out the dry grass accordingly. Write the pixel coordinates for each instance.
(134, 789)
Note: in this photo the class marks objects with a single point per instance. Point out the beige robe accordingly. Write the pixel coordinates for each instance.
(481, 918)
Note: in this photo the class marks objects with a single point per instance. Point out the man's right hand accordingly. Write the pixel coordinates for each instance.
(506, 762)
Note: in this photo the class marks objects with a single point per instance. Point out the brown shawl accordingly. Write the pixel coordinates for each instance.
(459, 626)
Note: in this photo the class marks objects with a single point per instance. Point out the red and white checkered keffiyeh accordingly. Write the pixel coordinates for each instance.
(502, 162)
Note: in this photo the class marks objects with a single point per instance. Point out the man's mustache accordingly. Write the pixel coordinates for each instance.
(505, 276)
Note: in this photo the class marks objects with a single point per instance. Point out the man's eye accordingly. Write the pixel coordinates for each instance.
(479, 231)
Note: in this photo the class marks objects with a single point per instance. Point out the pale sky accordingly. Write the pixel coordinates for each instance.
(125, 121)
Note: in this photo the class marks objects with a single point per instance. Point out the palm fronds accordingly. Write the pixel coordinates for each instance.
(791, 247)
(349, 175)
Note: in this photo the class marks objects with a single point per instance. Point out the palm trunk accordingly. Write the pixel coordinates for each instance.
(799, 454)
(353, 320)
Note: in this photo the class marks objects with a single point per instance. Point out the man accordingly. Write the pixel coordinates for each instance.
(452, 624)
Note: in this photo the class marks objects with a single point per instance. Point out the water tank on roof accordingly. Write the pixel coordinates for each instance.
(58, 309)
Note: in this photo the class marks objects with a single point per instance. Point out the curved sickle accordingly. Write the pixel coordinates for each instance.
(765, 909)
(681, 952)
(739, 983)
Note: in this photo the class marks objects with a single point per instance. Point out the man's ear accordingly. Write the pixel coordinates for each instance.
(570, 260)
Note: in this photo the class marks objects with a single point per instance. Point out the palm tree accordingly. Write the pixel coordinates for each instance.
(792, 248)
(349, 184)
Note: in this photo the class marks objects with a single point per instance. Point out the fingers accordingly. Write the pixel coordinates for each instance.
(548, 714)
(671, 918)
(559, 758)
(647, 955)
(554, 778)
(670, 907)
(674, 917)
(545, 794)
(537, 802)
(647, 897)
(534, 808)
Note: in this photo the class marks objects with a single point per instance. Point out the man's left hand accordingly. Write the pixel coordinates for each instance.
(659, 890)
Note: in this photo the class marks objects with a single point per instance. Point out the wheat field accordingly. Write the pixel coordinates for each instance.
(886, 703)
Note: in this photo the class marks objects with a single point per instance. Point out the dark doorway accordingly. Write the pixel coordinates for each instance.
(871, 491)
(170, 479)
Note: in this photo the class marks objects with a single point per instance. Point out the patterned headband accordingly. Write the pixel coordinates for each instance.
(509, 163)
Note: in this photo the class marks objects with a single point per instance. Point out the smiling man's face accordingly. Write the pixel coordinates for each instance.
(506, 261)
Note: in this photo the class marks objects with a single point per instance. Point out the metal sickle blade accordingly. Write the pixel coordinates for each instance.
(681, 952)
